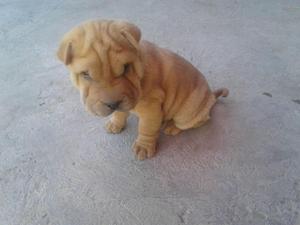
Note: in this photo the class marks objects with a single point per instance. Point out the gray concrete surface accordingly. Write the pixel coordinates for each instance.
(59, 167)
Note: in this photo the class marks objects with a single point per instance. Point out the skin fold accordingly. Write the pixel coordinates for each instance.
(116, 73)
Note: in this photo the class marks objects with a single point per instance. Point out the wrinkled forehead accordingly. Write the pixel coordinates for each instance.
(98, 46)
(108, 39)
(85, 62)
(84, 36)
(102, 60)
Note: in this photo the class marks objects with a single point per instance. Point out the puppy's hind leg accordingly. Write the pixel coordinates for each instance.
(171, 129)
(202, 122)
(117, 122)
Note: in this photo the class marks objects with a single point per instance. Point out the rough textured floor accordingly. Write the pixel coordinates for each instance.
(58, 166)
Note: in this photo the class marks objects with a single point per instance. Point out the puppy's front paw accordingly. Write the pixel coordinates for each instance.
(143, 151)
(113, 128)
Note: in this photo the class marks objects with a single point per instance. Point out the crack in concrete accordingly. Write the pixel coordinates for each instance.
(297, 101)
(131, 213)
(182, 215)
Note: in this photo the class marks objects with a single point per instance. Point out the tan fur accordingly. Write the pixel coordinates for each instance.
(159, 86)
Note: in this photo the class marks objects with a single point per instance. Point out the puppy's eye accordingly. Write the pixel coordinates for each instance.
(126, 69)
(86, 75)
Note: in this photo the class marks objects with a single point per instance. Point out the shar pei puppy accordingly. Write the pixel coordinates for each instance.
(116, 73)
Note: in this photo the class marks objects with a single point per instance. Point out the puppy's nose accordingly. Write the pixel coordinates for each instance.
(113, 105)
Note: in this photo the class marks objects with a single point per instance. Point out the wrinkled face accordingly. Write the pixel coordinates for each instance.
(105, 73)
(105, 85)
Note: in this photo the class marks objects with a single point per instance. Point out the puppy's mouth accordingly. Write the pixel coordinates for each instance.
(104, 109)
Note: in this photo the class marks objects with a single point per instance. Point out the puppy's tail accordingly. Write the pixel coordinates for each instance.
(224, 92)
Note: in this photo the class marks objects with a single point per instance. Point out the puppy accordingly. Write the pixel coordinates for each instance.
(117, 73)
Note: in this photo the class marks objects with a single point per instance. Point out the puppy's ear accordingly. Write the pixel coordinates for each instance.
(65, 52)
(129, 33)
(132, 34)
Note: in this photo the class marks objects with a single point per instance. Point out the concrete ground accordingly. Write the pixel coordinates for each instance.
(58, 166)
